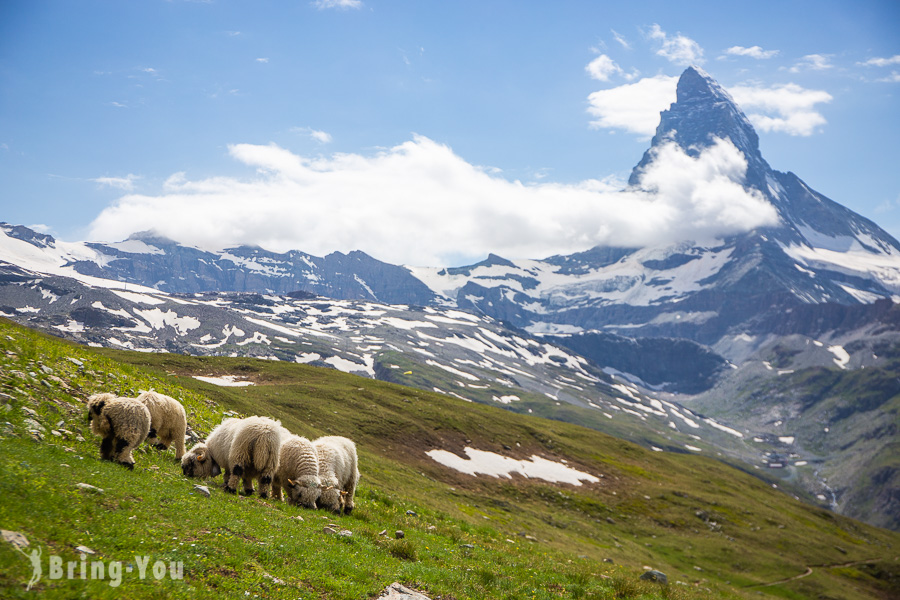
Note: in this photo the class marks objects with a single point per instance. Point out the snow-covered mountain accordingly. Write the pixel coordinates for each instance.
(152, 261)
(819, 252)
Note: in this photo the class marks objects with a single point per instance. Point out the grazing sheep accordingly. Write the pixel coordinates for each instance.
(123, 423)
(168, 421)
(338, 472)
(298, 472)
(243, 448)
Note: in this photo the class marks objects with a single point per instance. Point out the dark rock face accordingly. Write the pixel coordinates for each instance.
(676, 365)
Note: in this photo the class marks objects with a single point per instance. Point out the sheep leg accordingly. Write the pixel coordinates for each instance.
(123, 452)
(165, 440)
(231, 480)
(347, 495)
(247, 480)
(264, 483)
(106, 447)
(179, 447)
(276, 489)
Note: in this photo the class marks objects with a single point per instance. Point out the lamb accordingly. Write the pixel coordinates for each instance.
(243, 448)
(338, 472)
(298, 472)
(123, 423)
(168, 422)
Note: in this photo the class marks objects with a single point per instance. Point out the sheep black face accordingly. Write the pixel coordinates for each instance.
(95, 409)
(198, 463)
(302, 495)
(330, 499)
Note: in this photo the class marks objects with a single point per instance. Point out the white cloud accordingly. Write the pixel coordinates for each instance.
(633, 107)
(340, 4)
(812, 62)
(620, 39)
(323, 137)
(262, 59)
(894, 77)
(881, 62)
(677, 49)
(419, 203)
(752, 52)
(122, 183)
(788, 108)
(602, 67)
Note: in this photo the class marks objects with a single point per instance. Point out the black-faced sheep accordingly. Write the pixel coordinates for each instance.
(338, 473)
(168, 422)
(244, 449)
(123, 423)
(298, 472)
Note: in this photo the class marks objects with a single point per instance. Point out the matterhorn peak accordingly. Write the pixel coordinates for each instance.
(703, 112)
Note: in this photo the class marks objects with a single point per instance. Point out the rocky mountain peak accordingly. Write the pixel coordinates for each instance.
(703, 111)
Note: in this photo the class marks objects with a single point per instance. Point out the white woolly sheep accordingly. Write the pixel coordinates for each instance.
(123, 423)
(168, 421)
(245, 449)
(298, 472)
(338, 472)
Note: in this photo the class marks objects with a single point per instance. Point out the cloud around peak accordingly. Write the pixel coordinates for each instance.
(419, 203)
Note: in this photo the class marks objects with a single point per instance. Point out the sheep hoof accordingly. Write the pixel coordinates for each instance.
(229, 490)
(160, 446)
(127, 465)
(263, 495)
(247, 492)
(348, 510)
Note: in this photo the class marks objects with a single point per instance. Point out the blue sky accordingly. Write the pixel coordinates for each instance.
(414, 130)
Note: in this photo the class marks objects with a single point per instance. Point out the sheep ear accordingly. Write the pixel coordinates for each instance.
(201, 457)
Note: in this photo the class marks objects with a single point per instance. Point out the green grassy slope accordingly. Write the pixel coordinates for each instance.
(717, 531)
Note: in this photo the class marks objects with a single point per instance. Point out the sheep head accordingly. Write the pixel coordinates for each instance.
(95, 405)
(198, 463)
(330, 498)
(303, 492)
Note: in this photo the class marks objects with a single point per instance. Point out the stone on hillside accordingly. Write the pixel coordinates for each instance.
(75, 361)
(203, 490)
(84, 550)
(399, 534)
(657, 576)
(398, 591)
(31, 424)
(15, 538)
(89, 488)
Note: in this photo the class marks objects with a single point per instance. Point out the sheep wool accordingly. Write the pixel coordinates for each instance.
(338, 472)
(168, 421)
(245, 449)
(122, 423)
(298, 472)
